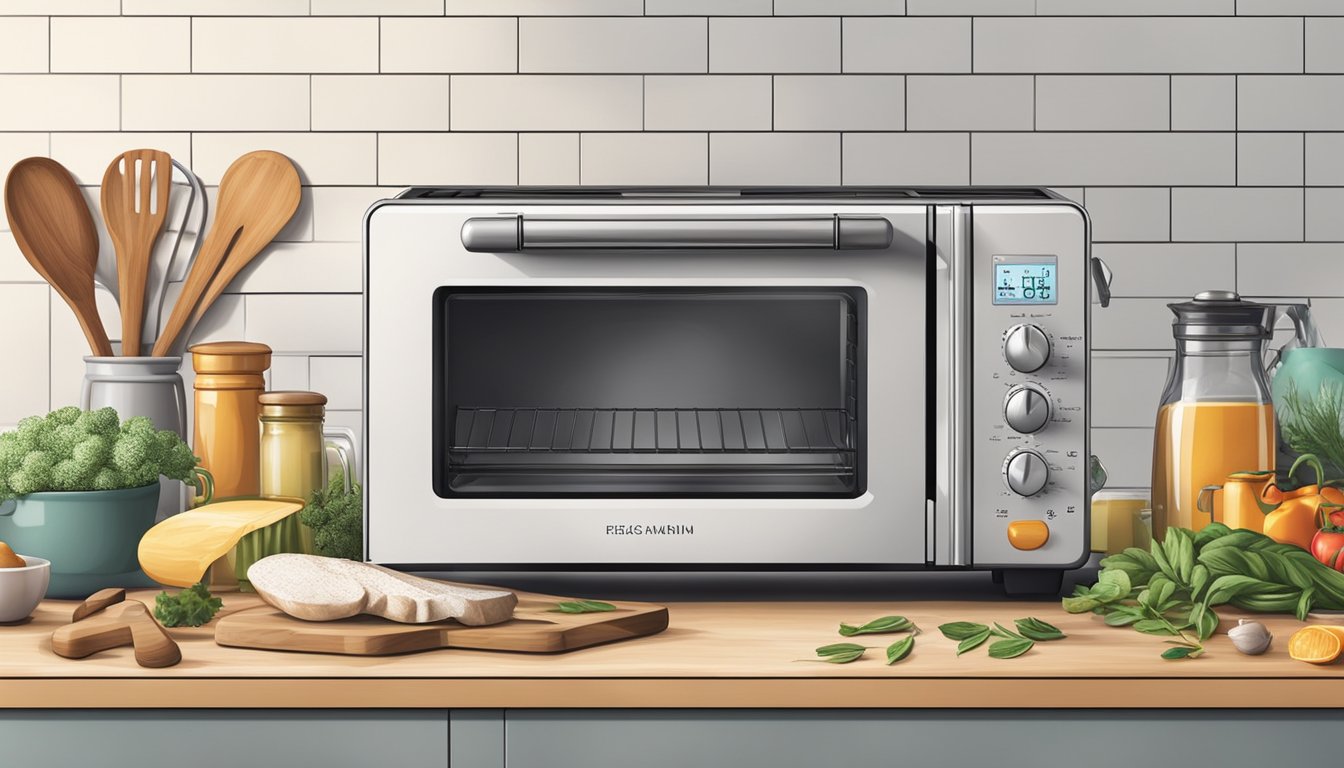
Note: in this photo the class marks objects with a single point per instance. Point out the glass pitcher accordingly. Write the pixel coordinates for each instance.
(1216, 417)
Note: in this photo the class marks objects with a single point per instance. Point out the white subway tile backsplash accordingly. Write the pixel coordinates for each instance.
(86, 155)
(1102, 103)
(338, 212)
(376, 7)
(1130, 324)
(380, 102)
(312, 323)
(971, 7)
(224, 321)
(408, 159)
(214, 7)
(548, 158)
(1135, 8)
(774, 158)
(321, 158)
(1269, 159)
(708, 7)
(58, 102)
(303, 268)
(14, 268)
(839, 7)
(969, 102)
(707, 103)
(1203, 102)
(1127, 389)
(1125, 45)
(545, 7)
(1129, 214)
(1227, 214)
(1185, 268)
(1290, 269)
(1325, 45)
(23, 44)
(644, 158)
(1290, 103)
(1325, 159)
(1103, 158)
(284, 45)
(449, 45)
(288, 372)
(932, 159)
(60, 7)
(1127, 453)
(1324, 221)
(13, 148)
(839, 102)
(341, 379)
(129, 44)
(1289, 8)
(212, 102)
(564, 45)
(547, 103)
(784, 45)
(907, 45)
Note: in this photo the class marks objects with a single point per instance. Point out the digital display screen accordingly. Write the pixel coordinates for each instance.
(1024, 279)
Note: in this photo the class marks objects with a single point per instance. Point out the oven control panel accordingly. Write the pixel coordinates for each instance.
(1029, 386)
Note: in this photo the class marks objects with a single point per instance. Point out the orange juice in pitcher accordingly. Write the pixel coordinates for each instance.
(1216, 417)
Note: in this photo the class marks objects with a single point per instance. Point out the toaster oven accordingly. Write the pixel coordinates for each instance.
(837, 378)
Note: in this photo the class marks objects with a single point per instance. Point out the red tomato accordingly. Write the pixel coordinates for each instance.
(1328, 547)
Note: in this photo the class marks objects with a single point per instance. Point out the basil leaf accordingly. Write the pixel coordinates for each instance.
(1204, 620)
(962, 630)
(1153, 627)
(973, 642)
(844, 658)
(1004, 632)
(1079, 604)
(878, 626)
(1122, 618)
(583, 606)
(900, 649)
(1035, 629)
(1181, 652)
(1010, 649)
(1199, 578)
(836, 649)
(1118, 579)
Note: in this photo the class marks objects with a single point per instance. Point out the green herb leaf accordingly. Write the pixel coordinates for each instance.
(843, 658)
(1204, 620)
(1154, 627)
(836, 649)
(900, 649)
(961, 630)
(1035, 629)
(1122, 618)
(1179, 652)
(582, 606)
(1006, 633)
(192, 607)
(1010, 649)
(973, 642)
(878, 626)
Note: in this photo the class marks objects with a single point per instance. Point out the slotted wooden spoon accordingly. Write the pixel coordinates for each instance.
(136, 187)
(55, 231)
(257, 197)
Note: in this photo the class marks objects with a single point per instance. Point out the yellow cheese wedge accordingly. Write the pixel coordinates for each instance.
(179, 550)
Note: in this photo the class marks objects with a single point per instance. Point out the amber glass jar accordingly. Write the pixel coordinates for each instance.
(226, 434)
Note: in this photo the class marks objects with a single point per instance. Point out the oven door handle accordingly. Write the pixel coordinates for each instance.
(509, 234)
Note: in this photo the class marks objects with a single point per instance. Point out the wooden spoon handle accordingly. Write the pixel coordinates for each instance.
(132, 626)
(153, 647)
(213, 251)
(76, 641)
(98, 601)
(93, 330)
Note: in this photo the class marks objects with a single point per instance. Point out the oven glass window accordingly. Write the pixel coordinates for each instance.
(648, 392)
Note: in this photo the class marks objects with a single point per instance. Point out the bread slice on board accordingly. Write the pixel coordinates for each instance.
(324, 589)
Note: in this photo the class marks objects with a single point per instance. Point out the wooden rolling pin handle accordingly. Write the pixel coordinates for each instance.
(98, 601)
(76, 641)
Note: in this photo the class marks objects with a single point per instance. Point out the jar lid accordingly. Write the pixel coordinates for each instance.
(230, 357)
(1213, 315)
(292, 398)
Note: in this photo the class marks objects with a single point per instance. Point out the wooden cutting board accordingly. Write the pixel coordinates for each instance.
(535, 628)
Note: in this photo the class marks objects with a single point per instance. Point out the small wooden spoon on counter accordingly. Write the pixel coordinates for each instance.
(55, 232)
(257, 197)
(135, 204)
(127, 624)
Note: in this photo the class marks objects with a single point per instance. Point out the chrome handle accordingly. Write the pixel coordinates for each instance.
(960, 331)
(506, 234)
(1101, 278)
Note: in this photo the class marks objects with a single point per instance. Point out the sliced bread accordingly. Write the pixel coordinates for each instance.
(324, 589)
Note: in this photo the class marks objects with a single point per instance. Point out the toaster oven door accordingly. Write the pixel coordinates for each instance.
(571, 386)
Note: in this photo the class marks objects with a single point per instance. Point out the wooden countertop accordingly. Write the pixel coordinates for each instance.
(714, 654)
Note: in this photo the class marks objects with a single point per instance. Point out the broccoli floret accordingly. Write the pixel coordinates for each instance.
(60, 442)
(65, 476)
(67, 415)
(337, 519)
(36, 471)
(108, 479)
(103, 421)
(137, 425)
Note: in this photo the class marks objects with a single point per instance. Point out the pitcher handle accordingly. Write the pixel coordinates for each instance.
(1204, 501)
(204, 483)
(343, 456)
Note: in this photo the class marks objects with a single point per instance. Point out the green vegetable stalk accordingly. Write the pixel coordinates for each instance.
(1171, 590)
(1316, 426)
(74, 450)
(337, 519)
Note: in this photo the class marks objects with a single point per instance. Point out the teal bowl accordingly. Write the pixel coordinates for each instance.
(90, 537)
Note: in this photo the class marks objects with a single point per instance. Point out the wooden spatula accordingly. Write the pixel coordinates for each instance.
(55, 232)
(135, 204)
(257, 197)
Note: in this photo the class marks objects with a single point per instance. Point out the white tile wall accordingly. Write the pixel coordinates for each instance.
(1205, 136)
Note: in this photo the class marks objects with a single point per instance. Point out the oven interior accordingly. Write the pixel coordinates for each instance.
(648, 392)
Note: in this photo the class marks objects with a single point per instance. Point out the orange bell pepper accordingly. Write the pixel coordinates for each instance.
(1297, 518)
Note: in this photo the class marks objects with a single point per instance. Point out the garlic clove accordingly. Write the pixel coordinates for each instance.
(1250, 637)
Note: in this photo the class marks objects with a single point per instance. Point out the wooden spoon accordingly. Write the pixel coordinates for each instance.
(135, 204)
(257, 197)
(55, 232)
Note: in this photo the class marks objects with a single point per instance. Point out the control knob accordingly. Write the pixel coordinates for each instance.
(1026, 409)
(1026, 472)
(1026, 347)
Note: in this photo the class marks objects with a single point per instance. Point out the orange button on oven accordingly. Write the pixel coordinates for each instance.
(1028, 534)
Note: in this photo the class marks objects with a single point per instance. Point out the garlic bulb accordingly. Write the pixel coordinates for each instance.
(1250, 637)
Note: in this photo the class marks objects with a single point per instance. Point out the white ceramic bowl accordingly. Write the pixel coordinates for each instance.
(21, 589)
